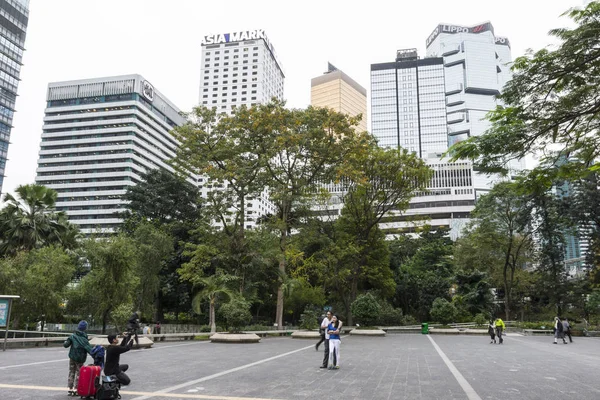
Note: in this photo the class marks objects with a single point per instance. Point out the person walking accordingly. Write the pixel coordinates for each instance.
(558, 331)
(334, 343)
(79, 349)
(321, 332)
(500, 327)
(491, 331)
(324, 325)
(567, 329)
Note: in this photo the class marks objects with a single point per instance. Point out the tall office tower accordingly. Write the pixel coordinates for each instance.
(99, 136)
(334, 89)
(408, 106)
(239, 68)
(475, 71)
(408, 110)
(14, 16)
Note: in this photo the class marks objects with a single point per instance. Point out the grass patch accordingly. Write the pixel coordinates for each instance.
(202, 337)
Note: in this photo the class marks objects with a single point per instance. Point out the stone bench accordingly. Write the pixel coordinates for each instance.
(367, 332)
(235, 338)
(306, 335)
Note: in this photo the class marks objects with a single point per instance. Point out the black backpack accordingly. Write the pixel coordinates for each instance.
(108, 388)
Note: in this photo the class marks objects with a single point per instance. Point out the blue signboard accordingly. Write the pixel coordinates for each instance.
(4, 305)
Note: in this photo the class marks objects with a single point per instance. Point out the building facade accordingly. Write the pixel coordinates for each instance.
(334, 89)
(408, 107)
(99, 136)
(239, 68)
(14, 17)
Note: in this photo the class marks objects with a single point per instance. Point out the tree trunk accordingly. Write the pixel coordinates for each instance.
(213, 325)
(105, 315)
(279, 311)
(282, 246)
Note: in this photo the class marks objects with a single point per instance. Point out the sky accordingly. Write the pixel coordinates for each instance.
(160, 40)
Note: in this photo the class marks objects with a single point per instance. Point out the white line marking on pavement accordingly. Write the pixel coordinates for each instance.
(151, 394)
(219, 374)
(35, 363)
(469, 391)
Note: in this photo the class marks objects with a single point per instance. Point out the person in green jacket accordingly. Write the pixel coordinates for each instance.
(80, 348)
(500, 327)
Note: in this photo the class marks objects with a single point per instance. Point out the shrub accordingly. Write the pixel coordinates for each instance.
(309, 318)
(482, 319)
(390, 316)
(236, 313)
(443, 311)
(366, 309)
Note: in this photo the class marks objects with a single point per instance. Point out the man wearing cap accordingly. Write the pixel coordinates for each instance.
(80, 347)
(113, 355)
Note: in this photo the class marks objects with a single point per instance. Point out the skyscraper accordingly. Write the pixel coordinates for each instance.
(408, 105)
(334, 89)
(239, 68)
(14, 16)
(475, 71)
(99, 136)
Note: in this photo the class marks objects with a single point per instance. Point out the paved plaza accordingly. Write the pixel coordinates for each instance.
(399, 366)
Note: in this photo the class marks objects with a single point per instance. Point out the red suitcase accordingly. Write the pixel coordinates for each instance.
(87, 380)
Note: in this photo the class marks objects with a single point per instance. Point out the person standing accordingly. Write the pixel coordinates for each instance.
(500, 327)
(113, 356)
(567, 329)
(324, 325)
(79, 349)
(157, 328)
(558, 331)
(334, 343)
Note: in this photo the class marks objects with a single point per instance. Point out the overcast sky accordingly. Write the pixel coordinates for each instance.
(160, 39)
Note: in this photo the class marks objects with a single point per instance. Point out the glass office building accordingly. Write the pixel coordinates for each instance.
(14, 16)
(408, 106)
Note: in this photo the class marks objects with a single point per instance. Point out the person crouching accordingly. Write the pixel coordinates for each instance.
(113, 356)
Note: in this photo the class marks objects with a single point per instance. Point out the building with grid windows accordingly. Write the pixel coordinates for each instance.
(239, 68)
(334, 89)
(99, 136)
(408, 104)
(14, 17)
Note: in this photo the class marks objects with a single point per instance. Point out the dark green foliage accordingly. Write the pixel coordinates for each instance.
(366, 309)
(309, 318)
(443, 311)
(236, 313)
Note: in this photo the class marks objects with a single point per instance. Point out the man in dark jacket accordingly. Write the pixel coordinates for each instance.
(79, 349)
(558, 330)
(113, 356)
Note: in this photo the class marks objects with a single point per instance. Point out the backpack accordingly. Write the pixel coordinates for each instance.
(97, 354)
(108, 388)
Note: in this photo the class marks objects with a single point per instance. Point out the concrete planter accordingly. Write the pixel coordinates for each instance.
(144, 342)
(235, 338)
(306, 335)
(367, 332)
(451, 331)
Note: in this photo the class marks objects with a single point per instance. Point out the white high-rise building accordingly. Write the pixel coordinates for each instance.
(99, 136)
(476, 68)
(240, 68)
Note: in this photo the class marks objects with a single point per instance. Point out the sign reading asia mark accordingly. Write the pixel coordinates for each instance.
(452, 29)
(235, 37)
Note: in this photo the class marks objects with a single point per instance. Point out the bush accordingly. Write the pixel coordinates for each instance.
(482, 319)
(390, 316)
(409, 320)
(443, 311)
(366, 309)
(309, 318)
(236, 313)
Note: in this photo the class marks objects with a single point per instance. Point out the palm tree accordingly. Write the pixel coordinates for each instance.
(29, 221)
(213, 286)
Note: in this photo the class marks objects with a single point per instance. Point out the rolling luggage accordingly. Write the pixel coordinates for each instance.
(88, 377)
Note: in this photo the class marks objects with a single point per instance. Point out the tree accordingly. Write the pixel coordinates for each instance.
(552, 99)
(303, 149)
(474, 289)
(212, 287)
(40, 277)
(29, 222)
(503, 218)
(111, 281)
(236, 313)
(443, 311)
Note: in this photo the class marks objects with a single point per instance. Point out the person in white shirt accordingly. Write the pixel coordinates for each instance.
(324, 324)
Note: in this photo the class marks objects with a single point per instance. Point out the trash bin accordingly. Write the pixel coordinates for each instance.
(424, 328)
